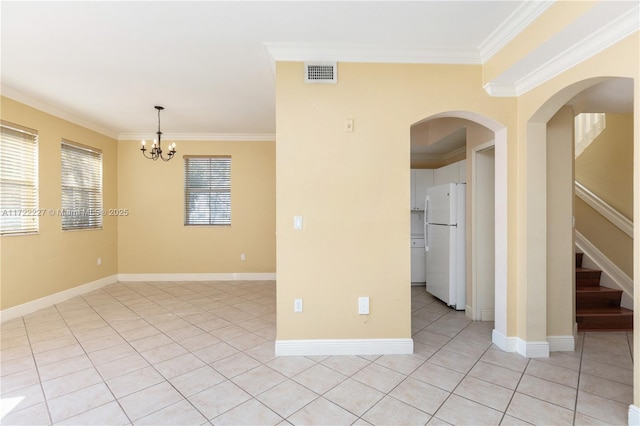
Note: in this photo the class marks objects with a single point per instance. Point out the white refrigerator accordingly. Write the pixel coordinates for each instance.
(445, 243)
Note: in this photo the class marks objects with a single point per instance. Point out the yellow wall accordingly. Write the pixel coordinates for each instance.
(605, 167)
(153, 238)
(34, 266)
(560, 246)
(353, 188)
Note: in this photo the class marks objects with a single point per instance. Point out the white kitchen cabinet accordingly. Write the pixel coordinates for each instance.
(462, 171)
(421, 179)
(446, 174)
(418, 261)
(451, 173)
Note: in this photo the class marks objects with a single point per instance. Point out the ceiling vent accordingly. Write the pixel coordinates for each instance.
(320, 72)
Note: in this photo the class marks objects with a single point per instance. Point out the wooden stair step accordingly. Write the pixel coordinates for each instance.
(604, 319)
(586, 277)
(593, 297)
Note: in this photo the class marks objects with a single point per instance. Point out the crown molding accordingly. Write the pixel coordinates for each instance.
(368, 53)
(205, 137)
(521, 18)
(19, 96)
(595, 43)
(441, 157)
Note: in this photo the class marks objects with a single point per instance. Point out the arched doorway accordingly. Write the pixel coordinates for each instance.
(498, 147)
(547, 285)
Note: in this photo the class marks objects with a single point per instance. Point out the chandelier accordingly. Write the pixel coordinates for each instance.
(156, 148)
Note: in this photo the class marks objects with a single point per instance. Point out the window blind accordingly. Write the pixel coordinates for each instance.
(18, 179)
(207, 187)
(81, 187)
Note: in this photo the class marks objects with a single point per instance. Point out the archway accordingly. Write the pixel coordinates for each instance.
(499, 145)
(546, 214)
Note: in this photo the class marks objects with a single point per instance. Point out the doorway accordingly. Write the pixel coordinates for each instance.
(483, 243)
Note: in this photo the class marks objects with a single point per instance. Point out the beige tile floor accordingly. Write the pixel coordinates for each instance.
(203, 353)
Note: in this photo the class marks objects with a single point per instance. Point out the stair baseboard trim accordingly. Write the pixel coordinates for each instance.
(232, 276)
(634, 415)
(52, 299)
(617, 276)
(314, 347)
(602, 207)
(561, 343)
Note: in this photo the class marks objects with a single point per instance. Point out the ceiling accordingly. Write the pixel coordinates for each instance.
(106, 64)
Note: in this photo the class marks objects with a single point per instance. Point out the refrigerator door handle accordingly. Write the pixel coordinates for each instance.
(426, 227)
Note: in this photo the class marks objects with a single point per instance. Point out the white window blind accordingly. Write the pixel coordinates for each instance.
(207, 190)
(18, 179)
(81, 187)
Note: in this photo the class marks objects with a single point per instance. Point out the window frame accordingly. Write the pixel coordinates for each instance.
(214, 215)
(89, 200)
(27, 211)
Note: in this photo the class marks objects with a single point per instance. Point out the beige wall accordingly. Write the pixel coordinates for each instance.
(153, 238)
(353, 188)
(606, 166)
(560, 244)
(34, 266)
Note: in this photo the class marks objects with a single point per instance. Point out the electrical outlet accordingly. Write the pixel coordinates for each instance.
(363, 305)
(297, 305)
(243, 257)
(99, 262)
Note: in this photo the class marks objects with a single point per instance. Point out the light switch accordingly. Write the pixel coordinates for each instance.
(348, 125)
(363, 305)
(297, 222)
(297, 305)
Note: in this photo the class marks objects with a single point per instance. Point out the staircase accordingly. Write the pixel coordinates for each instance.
(598, 308)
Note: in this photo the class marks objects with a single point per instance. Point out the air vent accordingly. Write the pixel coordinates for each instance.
(320, 72)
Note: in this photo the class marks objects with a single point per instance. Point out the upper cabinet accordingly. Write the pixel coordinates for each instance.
(452, 173)
(421, 179)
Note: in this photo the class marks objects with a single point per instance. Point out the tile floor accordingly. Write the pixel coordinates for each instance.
(203, 353)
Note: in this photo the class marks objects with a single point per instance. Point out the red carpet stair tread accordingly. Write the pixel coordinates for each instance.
(598, 308)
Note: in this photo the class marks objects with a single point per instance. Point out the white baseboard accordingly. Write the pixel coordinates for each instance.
(561, 343)
(507, 344)
(231, 276)
(516, 344)
(532, 349)
(314, 347)
(634, 416)
(45, 302)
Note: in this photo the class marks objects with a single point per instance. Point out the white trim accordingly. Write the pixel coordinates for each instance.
(595, 43)
(28, 100)
(605, 209)
(313, 347)
(615, 274)
(561, 343)
(52, 299)
(216, 137)
(532, 349)
(524, 348)
(507, 344)
(468, 312)
(231, 276)
(634, 415)
(511, 27)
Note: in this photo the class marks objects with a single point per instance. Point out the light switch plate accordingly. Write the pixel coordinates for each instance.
(363, 305)
(297, 222)
(297, 305)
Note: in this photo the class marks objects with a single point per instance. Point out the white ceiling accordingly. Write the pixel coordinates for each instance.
(210, 63)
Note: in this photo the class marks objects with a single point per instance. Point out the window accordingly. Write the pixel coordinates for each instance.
(207, 190)
(81, 187)
(18, 179)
